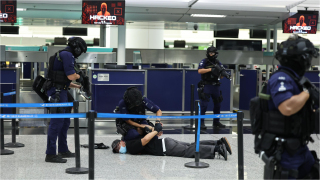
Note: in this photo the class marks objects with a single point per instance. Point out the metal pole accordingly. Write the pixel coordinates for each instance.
(14, 144)
(3, 151)
(91, 115)
(191, 109)
(197, 163)
(240, 145)
(196, 122)
(78, 169)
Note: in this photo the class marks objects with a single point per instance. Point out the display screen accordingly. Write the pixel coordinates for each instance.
(8, 11)
(301, 23)
(103, 12)
(242, 45)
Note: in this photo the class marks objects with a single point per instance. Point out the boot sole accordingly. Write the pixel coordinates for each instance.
(226, 142)
(55, 162)
(225, 152)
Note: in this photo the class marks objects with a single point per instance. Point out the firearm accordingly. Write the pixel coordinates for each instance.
(220, 70)
(85, 83)
(313, 90)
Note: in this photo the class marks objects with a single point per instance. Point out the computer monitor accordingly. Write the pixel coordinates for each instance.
(112, 66)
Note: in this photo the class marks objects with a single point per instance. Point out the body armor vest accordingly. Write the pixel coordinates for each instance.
(58, 78)
(209, 77)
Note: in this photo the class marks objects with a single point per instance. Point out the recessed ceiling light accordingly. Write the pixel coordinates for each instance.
(208, 15)
(21, 9)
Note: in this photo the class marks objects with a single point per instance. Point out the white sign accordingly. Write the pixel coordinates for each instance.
(103, 77)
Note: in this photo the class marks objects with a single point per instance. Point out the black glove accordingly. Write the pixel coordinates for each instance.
(225, 74)
(147, 130)
(81, 77)
(158, 127)
(313, 90)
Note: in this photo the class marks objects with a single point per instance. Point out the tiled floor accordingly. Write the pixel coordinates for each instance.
(28, 162)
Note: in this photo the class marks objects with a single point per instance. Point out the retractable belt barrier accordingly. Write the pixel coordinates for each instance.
(9, 93)
(92, 115)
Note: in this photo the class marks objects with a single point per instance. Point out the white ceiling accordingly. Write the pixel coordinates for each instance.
(175, 13)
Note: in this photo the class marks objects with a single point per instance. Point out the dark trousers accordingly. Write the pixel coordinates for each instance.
(212, 91)
(183, 149)
(58, 128)
(301, 161)
(133, 133)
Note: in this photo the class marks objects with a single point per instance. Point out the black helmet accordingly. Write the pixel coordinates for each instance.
(78, 45)
(212, 49)
(132, 97)
(296, 53)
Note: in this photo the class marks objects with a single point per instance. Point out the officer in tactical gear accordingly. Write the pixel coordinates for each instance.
(211, 71)
(288, 117)
(61, 73)
(134, 103)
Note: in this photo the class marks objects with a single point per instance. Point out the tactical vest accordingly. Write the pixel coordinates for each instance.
(58, 78)
(299, 125)
(209, 77)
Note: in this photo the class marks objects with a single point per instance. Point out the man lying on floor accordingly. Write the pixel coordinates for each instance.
(170, 147)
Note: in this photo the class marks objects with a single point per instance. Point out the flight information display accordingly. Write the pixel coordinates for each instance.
(301, 23)
(8, 11)
(106, 13)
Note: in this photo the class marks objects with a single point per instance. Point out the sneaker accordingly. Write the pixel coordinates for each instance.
(55, 159)
(218, 124)
(67, 154)
(222, 151)
(226, 143)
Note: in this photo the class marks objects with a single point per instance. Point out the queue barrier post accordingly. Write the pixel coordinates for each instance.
(3, 151)
(191, 126)
(240, 117)
(14, 144)
(78, 169)
(197, 163)
(91, 115)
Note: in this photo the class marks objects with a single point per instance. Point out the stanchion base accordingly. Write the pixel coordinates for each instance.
(14, 145)
(76, 170)
(196, 165)
(6, 152)
(188, 127)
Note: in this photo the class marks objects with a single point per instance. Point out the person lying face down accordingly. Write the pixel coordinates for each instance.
(171, 147)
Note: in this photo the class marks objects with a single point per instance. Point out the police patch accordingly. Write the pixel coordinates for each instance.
(282, 88)
(282, 78)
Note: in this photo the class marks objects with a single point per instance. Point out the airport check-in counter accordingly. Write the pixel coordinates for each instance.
(167, 88)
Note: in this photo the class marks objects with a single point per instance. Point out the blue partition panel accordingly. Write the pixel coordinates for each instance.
(248, 87)
(193, 77)
(27, 70)
(314, 77)
(165, 88)
(7, 84)
(107, 94)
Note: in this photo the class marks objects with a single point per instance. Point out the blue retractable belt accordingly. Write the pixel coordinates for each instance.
(9, 93)
(39, 116)
(112, 115)
(10, 105)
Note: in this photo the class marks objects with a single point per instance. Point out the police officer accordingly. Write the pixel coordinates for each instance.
(211, 71)
(61, 73)
(288, 123)
(134, 103)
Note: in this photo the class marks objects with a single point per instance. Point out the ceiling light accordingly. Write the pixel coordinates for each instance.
(21, 9)
(208, 15)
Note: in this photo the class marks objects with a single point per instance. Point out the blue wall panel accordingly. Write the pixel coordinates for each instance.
(106, 97)
(8, 76)
(248, 88)
(165, 89)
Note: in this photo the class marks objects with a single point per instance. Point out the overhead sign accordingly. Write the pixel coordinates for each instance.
(103, 12)
(301, 23)
(8, 11)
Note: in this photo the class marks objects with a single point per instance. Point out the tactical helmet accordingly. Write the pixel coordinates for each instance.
(212, 49)
(296, 53)
(132, 97)
(78, 45)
